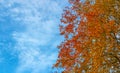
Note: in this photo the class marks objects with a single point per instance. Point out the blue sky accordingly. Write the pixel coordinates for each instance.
(29, 35)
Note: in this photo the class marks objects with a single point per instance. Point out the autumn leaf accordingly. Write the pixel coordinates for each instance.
(94, 46)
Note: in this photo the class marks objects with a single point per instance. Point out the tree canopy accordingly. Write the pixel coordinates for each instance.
(91, 29)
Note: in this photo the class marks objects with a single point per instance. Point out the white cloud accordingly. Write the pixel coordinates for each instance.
(36, 43)
(35, 61)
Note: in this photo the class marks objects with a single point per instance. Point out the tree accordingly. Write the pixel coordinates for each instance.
(92, 37)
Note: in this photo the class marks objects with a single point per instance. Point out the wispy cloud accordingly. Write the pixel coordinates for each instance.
(36, 45)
